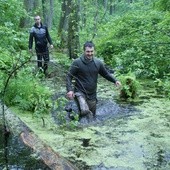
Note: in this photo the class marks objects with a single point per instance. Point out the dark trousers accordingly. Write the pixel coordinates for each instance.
(43, 58)
(86, 105)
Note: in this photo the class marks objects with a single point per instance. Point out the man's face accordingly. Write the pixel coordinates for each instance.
(89, 52)
(37, 20)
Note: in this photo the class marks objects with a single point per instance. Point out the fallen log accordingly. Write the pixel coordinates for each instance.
(52, 159)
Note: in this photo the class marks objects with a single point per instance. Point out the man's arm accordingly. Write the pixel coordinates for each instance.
(30, 40)
(104, 73)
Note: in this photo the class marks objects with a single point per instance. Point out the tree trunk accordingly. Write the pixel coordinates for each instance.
(95, 20)
(112, 7)
(105, 4)
(51, 13)
(82, 12)
(29, 5)
(63, 25)
(73, 31)
(45, 6)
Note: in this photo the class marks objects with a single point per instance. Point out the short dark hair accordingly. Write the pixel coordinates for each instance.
(88, 44)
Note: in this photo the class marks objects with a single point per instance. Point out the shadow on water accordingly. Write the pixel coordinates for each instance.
(14, 155)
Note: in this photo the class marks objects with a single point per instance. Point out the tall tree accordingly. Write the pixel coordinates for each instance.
(63, 24)
(73, 30)
(112, 7)
(29, 6)
(48, 12)
(51, 13)
(32, 8)
(45, 11)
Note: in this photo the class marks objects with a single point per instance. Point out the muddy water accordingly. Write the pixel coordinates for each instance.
(133, 135)
(14, 155)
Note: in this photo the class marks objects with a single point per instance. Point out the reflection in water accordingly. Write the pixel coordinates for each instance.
(14, 155)
(6, 136)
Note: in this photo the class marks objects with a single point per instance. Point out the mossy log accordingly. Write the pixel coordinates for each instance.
(52, 159)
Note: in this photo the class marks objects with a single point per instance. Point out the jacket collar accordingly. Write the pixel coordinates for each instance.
(35, 25)
(85, 60)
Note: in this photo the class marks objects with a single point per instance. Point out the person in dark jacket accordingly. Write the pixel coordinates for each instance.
(40, 34)
(84, 71)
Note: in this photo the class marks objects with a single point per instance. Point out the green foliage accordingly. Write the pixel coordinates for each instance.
(62, 116)
(11, 59)
(130, 86)
(162, 86)
(27, 93)
(138, 42)
(13, 40)
(163, 5)
(63, 60)
(92, 19)
(166, 88)
(11, 12)
(5, 60)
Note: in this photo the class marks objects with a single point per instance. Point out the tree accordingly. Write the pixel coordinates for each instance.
(63, 24)
(31, 7)
(51, 13)
(47, 9)
(73, 30)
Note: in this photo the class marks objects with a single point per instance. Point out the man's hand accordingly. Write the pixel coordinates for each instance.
(118, 83)
(51, 46)
(70, 95)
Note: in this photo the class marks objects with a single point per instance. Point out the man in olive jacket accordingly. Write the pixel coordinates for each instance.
(84, 71)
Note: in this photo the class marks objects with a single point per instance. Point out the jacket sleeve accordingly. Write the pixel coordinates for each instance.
(70, 76)
(48, 36)
(31, 39)
(104, 73)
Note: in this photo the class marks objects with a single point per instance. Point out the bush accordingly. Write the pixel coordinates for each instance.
(130, 86)
(26, 92)
(137, 42)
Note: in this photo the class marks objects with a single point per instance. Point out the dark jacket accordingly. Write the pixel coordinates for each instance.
(41, 36)
(85, 73)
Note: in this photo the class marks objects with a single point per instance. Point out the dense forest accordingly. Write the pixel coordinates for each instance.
(131, 36)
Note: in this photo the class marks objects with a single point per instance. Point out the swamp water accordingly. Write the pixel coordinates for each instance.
(14, 155)
(129, 138)
(133, 136)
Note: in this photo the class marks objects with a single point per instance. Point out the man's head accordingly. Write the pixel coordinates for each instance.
(89, 49)
(37, 19)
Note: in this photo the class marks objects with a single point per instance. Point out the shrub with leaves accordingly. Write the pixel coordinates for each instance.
(137, 42)
(27, 92)
(130, 86)
(62, 116)
(162, 86)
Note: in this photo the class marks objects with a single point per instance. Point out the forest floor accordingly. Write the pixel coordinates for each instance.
(137, 141)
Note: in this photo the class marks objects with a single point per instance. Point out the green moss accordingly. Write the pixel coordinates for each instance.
(140, 141)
